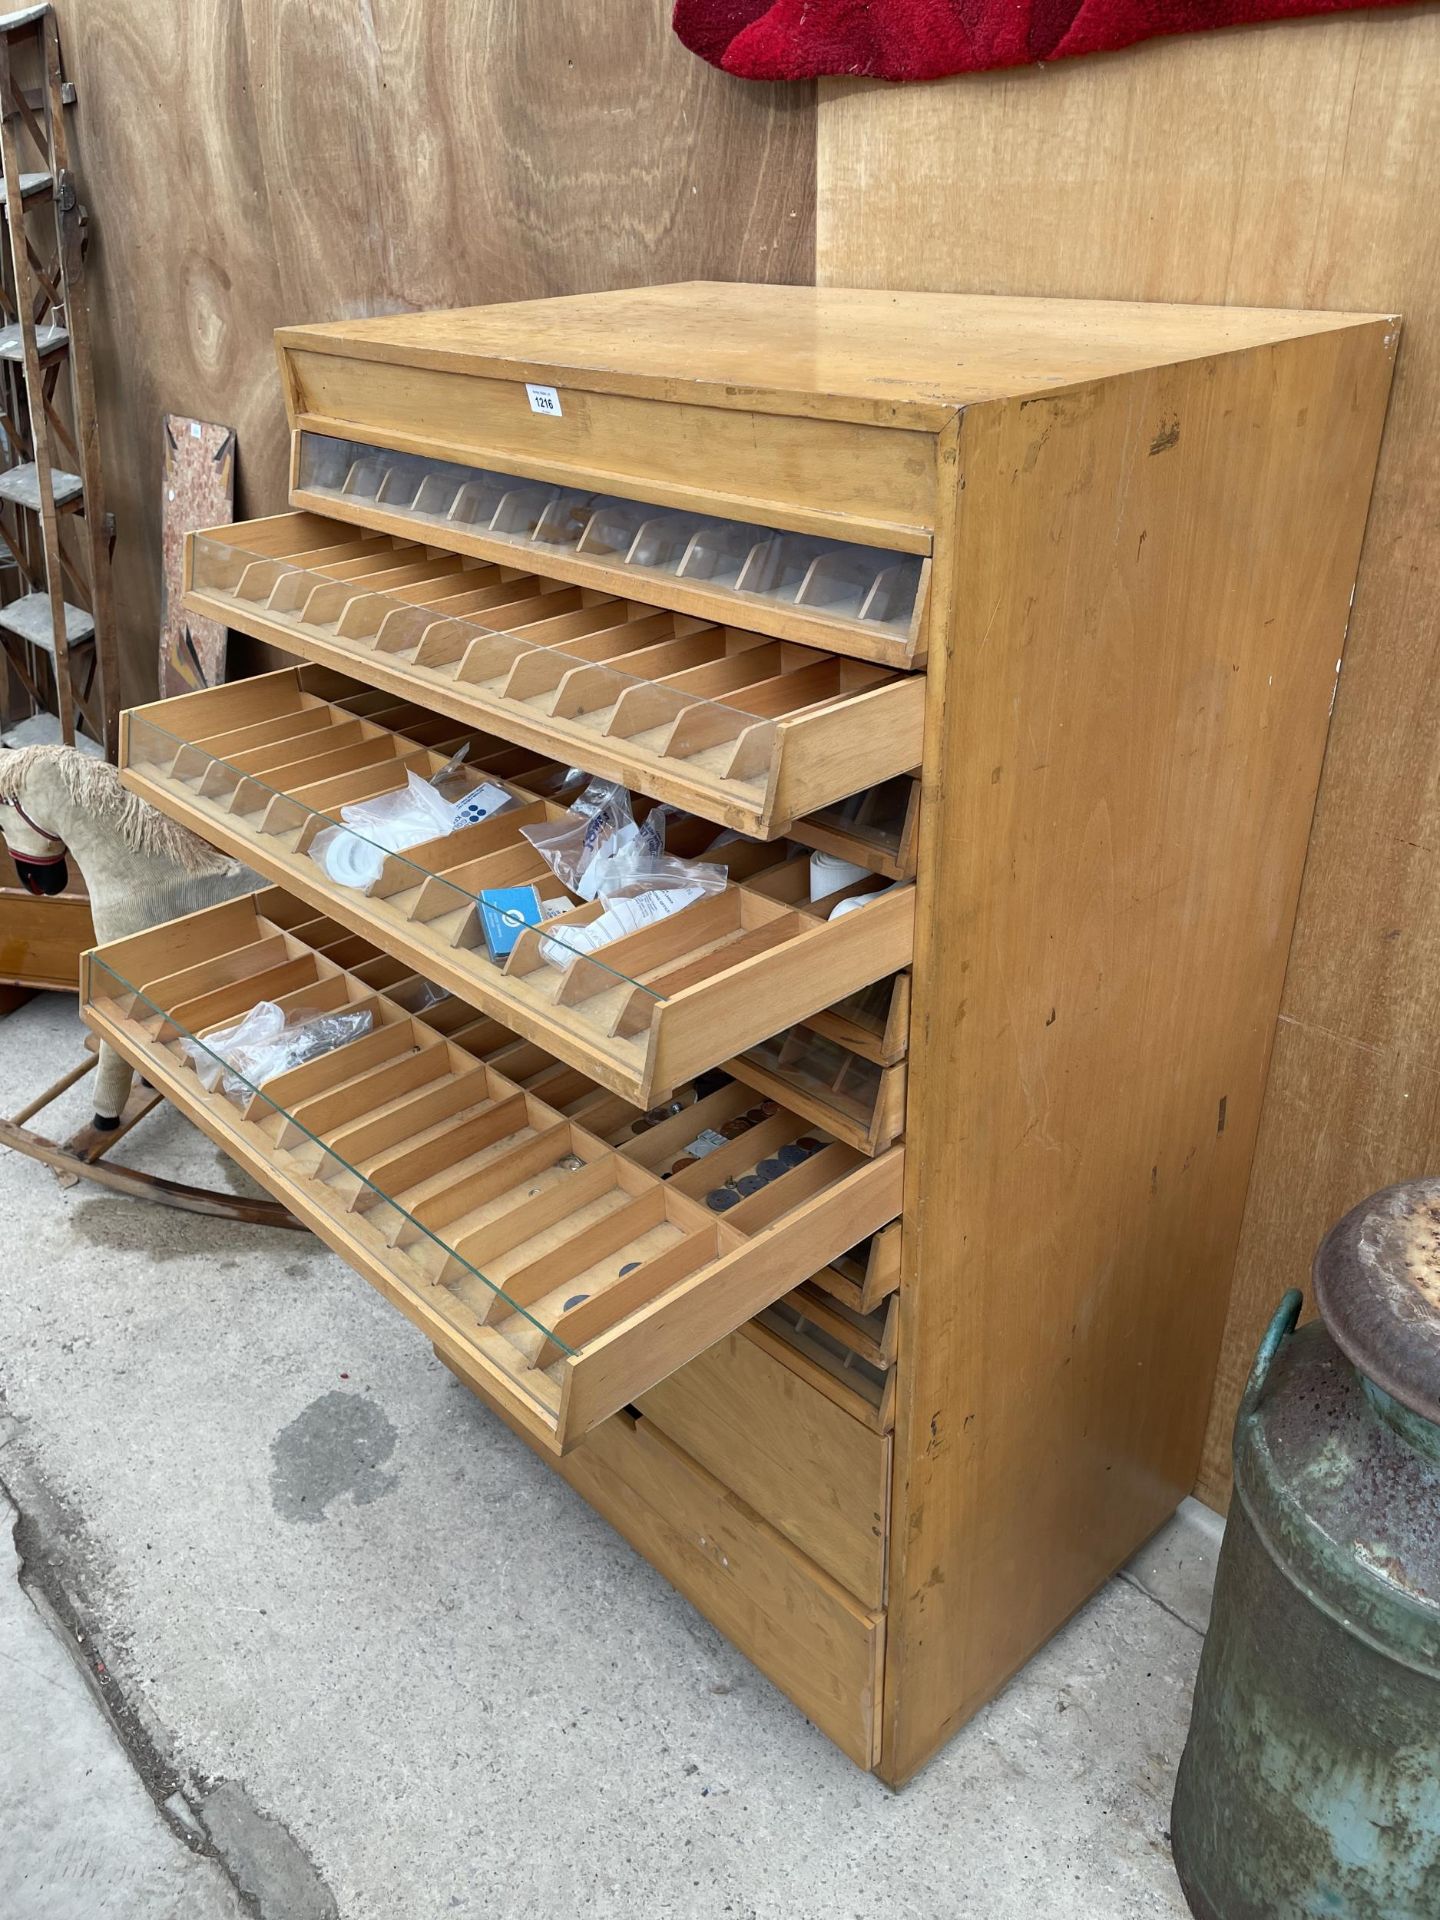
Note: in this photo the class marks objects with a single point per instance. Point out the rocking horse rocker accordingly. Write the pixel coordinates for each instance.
(140, 869)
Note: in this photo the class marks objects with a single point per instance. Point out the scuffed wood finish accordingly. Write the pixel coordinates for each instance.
(811, 1470)
(1291, 165)
(1126, 726)
(398, 158)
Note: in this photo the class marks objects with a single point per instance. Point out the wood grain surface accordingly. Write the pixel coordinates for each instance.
(1124, 737)
(1293, 165)
(297, 160)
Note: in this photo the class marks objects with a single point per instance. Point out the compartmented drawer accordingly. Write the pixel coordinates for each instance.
(877, 827)
(862, 598)
(260, 768)
(571, 1274)
(809, 1634)
(847, 1356)
(859, 1100)
(752, 732)
(868, 1274)
(843, 1066)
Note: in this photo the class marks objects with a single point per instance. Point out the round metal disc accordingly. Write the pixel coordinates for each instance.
(1377, 1286)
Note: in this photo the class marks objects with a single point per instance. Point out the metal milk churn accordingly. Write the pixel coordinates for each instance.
(1310, 1783)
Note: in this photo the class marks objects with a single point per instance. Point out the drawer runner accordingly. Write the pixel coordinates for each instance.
(262, 767)
(752, 732)
(571, 1274)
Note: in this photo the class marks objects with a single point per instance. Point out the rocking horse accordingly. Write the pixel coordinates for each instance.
(140, 869)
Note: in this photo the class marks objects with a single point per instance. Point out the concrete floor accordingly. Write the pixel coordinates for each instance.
(343, 1647)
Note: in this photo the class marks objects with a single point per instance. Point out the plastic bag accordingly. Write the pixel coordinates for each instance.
(600, 820)
(353, 854)
(638, 888)
(267, 1041)
(621, 871)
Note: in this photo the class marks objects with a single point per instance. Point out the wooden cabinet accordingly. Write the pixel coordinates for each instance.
(1029, 612)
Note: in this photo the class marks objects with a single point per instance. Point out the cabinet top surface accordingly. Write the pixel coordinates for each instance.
(901, 359)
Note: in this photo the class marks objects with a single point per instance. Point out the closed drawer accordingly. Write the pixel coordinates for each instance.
(261, 767)
(877, 481)
(571, 1272)
(750, 731)
(810, 1636)
(867, 1275)
(845, 1067)
(878, 827)
(818, 1476)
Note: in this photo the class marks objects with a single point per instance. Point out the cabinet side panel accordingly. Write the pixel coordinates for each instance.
(1151, 586)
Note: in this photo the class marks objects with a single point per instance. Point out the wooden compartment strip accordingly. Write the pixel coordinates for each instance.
(640, 1015)
(867, 595)
(750, 732)
(573, 1276)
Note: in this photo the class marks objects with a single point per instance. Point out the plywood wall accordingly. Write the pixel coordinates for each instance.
(1294, 165)
(302, 159)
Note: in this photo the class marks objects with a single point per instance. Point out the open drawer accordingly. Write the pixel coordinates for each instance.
(752, 732)
(261, 768)
(572, 1272)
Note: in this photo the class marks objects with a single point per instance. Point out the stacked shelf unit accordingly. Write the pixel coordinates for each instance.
(56, 620)
(1027, 611)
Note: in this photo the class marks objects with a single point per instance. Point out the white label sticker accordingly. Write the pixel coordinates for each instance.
(543, 399)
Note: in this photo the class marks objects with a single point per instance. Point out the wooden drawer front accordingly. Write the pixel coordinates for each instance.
(818, 1476)
(749, 731)
(810, 1636)
(41, 940)
(640, 1015)
(863, 482)
(573, 1275)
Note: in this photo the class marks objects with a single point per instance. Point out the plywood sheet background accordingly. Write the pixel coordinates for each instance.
(1294, 165)
(284, 160)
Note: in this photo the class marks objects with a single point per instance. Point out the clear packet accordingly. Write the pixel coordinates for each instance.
(266, 1041)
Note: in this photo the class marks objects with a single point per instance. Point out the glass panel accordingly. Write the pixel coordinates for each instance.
(877, 816)
(335, 1183)
(832, 1073)
(438, 884)
(838, 580)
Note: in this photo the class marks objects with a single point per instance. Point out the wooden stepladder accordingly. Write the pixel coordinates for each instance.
(56, 624)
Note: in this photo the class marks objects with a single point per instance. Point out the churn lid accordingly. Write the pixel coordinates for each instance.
(1377, 1285)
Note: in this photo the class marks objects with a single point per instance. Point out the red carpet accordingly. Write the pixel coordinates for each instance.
(924, 39)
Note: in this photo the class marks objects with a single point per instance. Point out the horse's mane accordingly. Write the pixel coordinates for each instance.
(95, 787)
